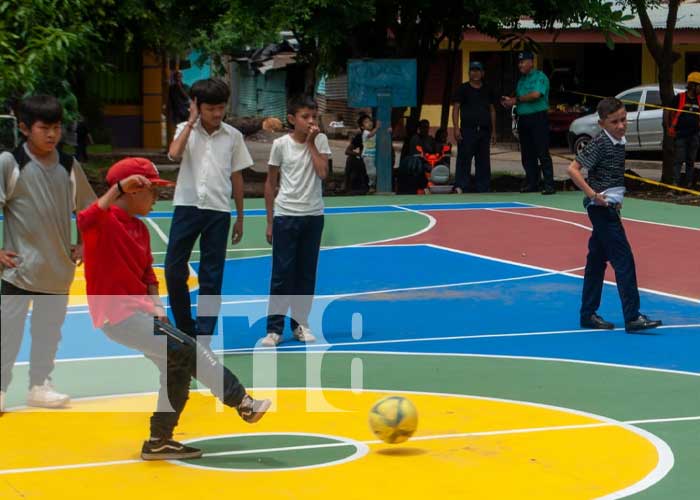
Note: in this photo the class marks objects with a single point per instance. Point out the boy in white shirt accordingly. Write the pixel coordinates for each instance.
(298, 163)
(213, 156)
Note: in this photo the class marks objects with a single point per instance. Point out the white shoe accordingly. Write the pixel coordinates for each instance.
(45, 396)
(458, 190)
(303, 334)
(2, 402)
(271, 340)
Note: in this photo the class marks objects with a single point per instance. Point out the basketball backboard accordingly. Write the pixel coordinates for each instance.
(368, 77)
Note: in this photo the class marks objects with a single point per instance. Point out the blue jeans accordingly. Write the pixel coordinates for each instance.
(609, 243)
(296, 242)
(212, 228)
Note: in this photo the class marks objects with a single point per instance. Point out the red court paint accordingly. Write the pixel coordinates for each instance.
(668, 258)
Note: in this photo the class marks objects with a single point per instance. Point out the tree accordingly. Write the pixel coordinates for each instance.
(665, 57)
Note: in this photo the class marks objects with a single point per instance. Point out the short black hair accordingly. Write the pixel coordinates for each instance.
(300, 101)
(608, 106)
(210, 91)
(362, 118)
(45, 108)
(424, 123)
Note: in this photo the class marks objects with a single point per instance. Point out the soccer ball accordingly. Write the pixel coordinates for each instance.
(393, 419)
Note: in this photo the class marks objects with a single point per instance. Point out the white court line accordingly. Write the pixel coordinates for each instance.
(664, 465)
(582, 226)
(313, 347)
(165, 239)
(391, 290)
(408, 289)
(299, 349)
(564, 273)
(623, 218)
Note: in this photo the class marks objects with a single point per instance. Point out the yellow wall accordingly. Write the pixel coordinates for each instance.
(650, 69)
(152, 100)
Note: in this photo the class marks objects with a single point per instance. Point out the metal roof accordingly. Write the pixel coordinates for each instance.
(688, 18)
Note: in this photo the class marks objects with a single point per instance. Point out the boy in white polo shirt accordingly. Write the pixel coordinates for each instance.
(213, 156)
(298, 163)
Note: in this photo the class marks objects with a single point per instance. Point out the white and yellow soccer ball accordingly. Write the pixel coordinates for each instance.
(393, 419)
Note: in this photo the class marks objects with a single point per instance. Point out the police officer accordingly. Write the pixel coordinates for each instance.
(532, 102)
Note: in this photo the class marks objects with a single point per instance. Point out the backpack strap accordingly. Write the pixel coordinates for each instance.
(22, 158)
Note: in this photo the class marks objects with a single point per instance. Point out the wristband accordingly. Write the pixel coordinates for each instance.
(119, 187)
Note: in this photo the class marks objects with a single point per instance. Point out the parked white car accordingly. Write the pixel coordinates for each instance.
(645, 131)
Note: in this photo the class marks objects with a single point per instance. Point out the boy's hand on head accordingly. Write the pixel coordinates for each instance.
(7, 258)
(135, 183)
(237, 233)
(194, 112)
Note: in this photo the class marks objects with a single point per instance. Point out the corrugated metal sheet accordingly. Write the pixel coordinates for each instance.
(688, 18)
(262, 95)
(337, 87)
(274, 95)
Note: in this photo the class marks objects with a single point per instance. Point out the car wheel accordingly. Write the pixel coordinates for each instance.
(580, 143)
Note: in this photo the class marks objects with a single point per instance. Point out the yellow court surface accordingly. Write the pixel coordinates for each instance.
(317, 444)
(78, 293)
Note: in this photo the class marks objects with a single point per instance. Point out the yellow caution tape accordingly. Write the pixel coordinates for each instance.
(662, 184)
(636, 102)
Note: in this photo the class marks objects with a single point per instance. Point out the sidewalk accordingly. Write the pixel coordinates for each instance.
(505, 158)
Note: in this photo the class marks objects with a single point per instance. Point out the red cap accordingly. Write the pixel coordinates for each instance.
(135, 166)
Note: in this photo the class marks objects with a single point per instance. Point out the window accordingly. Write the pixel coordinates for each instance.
(653, 97)
(631, 100)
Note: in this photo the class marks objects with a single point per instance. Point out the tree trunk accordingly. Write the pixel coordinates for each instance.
(310, 78)
(449, 78)
(667, 95)
(665, 57)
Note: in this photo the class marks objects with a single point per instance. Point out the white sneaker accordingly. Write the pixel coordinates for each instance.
(271, 340)
(303, 334)
(2, 402)
(45, 396)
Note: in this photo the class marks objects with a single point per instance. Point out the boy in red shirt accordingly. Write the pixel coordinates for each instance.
(124, 302)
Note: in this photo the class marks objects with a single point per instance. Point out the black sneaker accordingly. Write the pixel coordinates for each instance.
(642, 323)
(596, 322)
(549, 191)
(251, 410)
(167, 449)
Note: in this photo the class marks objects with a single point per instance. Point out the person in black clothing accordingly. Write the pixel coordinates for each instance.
(179, 100)
(356, 179)
(604, 158)
(684, 125)
(83, 140)
(474, 120)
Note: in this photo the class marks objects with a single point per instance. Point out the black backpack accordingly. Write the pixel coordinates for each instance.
(22, 158)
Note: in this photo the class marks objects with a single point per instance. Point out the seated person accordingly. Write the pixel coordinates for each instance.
(356, 179)
(423, 139)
